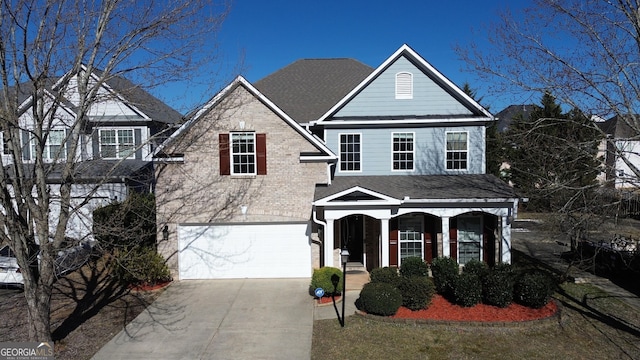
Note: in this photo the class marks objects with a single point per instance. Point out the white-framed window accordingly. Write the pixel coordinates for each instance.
(54, 147)
(243, 153)
(402, 150)
(404, 85)
(117, 143)
(469, 239)
(5, 144)
(350, 152)
(410, 237)
(457, 150)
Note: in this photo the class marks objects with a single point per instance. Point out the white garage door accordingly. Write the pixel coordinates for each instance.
(244, 251)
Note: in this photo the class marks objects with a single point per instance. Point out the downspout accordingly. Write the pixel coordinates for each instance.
(320, 242)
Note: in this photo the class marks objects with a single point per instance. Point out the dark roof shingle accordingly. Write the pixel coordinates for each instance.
(308, 88)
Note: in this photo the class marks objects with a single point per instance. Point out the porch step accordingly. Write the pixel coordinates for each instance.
(355, 267)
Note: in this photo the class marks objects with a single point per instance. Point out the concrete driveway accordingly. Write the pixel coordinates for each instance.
(221, 319)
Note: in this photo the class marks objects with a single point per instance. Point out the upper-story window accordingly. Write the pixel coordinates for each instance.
(404, 85)
(350, 147)
(54, 147)
(117, 143)
(243, 153)
(457, 150)
(402, 151)
(5, 144)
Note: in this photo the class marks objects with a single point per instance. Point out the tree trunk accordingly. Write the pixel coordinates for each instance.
(39, 306)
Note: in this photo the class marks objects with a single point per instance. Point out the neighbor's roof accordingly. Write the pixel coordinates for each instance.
(619, 128)
(507, 115)
(308, 88)
(108, 171)
(464, 186)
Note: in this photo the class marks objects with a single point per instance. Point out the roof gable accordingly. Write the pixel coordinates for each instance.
(324, 152)
(437, 96)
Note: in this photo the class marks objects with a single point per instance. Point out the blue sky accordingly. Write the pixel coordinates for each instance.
(272, 34)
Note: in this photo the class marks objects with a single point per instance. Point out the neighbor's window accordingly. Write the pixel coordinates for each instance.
(116, 143)
(402, 151)
(54, 148)
(469, 238)
(410, 236)
(404, 85)
(457, 150)
(243, 153)
(350, 148)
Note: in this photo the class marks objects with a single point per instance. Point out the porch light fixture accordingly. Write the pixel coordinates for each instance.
(165, 233)
(243, 210)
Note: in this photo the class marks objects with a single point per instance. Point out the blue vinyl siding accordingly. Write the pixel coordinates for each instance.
(378, 98)
(376, 156)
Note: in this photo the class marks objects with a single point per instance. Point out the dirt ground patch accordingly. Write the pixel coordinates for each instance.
(87, 309)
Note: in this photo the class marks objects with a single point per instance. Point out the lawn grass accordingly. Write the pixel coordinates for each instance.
(593, 325)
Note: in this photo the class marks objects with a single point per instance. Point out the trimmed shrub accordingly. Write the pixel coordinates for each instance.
(379, 299)
(445, 271)
(325, 278)
(141, 265)
(534, 289)
(467, 290)
(417, 292)
(497, 288)
(479, 268)
(385, 274)
(413, 266)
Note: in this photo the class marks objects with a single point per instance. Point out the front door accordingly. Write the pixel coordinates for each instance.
(353, 236)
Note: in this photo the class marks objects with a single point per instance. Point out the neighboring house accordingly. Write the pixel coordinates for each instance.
(513, 112)
(621, 152)
(386, 162)
(114, 153)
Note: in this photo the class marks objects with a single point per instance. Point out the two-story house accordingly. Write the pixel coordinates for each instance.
(114, 149)
(273, 179)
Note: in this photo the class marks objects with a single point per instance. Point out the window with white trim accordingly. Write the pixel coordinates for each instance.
(457, 150)
(350, 148)
(54, 146)
(469, 239)
(402, 151)
(243, 153)
(410, 237)
(404, 85)
(117, 143)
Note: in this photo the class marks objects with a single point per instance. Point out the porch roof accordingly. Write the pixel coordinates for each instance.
(428, 187)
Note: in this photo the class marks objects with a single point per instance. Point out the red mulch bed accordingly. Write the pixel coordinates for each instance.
(441, 309)
(149, 287)
(326, 300)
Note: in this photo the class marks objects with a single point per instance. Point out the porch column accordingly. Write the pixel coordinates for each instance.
(505, 240)
(384, 242)
(328, 243)
(446, 247)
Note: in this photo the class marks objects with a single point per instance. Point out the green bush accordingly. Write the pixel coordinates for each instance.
(479, 268)
(141, 265)
(417, 292)
(385, 274)
(127, 224)
(325, 277)
(413, 266)
(533, 289)
(445, 271)
(379, 299)
(497, 287)
(467, 290)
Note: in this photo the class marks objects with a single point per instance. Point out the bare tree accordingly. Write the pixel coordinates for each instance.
(82, 44)
(585, 52)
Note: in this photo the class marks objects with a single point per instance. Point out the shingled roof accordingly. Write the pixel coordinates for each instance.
(308, 88)
(619, 127)
(465, 186)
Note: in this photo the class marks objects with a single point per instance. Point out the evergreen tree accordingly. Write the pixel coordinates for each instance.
(553, 156)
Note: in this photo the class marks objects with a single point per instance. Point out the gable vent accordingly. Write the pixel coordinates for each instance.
(404, 85)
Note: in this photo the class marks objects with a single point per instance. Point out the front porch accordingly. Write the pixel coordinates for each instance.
(380, 230)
